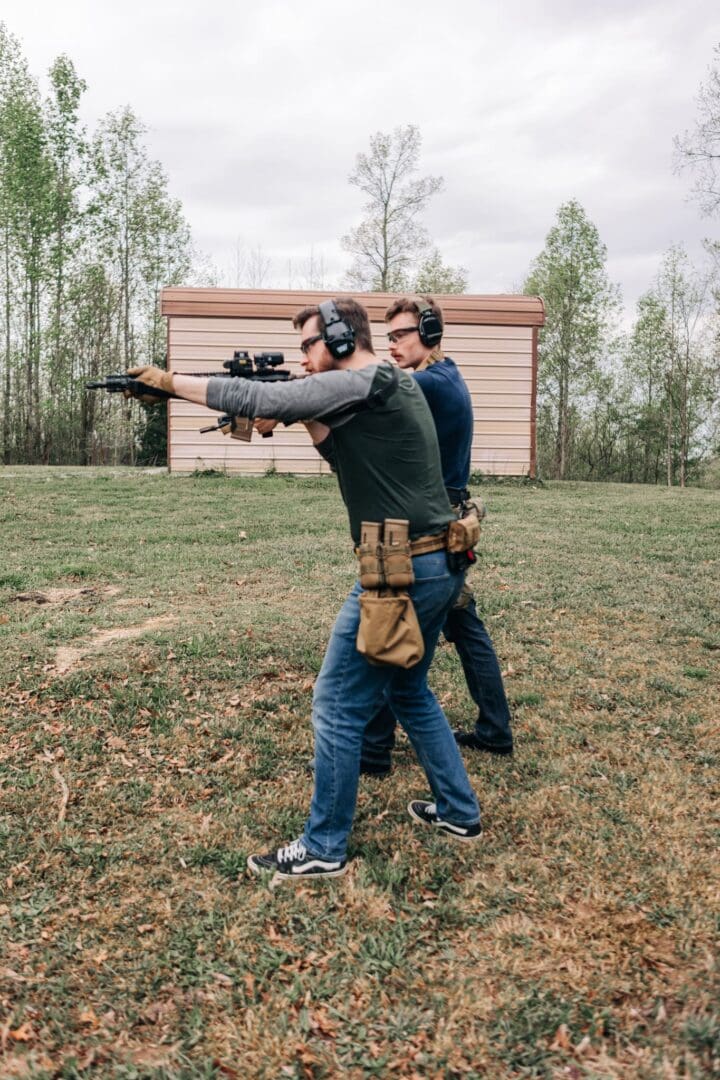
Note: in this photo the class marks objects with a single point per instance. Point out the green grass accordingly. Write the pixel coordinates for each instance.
(160, 666)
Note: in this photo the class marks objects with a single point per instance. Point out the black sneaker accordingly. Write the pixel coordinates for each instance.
(293, 862)
(378, 771)
(471, 741)
(426, 812)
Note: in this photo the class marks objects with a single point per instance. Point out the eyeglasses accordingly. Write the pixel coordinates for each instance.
(308, 343)
(403, 331)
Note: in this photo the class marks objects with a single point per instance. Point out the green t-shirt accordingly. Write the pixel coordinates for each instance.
(386, 455)
(388, 461)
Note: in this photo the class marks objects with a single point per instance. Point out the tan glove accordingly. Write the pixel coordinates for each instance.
(151, 376)
(264, 426)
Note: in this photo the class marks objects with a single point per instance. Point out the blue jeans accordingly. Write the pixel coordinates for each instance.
(465, 629)
(349, 689)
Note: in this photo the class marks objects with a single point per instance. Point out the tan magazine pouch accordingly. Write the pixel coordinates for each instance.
(237, 427)
(389, 632)
(397, 561)
(369, 553)
(384, 555)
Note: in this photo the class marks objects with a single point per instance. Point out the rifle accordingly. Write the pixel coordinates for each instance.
(263, 367)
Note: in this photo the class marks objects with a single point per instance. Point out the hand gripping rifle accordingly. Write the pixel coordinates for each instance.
(263, 367)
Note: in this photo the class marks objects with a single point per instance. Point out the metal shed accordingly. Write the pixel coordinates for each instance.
(493, 339)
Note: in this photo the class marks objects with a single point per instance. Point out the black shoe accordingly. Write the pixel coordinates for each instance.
(426, 812)
(378, 771)
(365, 770)
(293, 862)
(471, 741)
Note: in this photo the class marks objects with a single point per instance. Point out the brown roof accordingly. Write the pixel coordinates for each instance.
(281, 303)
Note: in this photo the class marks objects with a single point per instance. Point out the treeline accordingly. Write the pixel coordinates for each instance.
(638, 406)
(88, 234)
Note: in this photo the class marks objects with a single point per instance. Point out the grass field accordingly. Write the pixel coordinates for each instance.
(160, 636)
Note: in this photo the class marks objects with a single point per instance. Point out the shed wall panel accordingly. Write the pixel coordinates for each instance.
(495, 360)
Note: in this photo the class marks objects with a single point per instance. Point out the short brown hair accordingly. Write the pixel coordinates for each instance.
(354, 315)
(413, 305)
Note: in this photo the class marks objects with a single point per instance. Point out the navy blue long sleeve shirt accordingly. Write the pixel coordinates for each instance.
(451, 407)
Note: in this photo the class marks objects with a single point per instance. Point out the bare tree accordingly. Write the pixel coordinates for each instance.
(389, 240)
(238, 265)
(689, 378)
(258, 268)
(249, 267)
(699, 149)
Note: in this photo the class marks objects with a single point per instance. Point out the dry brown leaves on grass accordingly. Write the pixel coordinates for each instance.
(579, 940)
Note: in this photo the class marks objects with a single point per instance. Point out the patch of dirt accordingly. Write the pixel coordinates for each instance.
(64, 596)
(68, 657)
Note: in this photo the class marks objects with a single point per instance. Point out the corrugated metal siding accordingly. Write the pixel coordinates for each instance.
(496, 362)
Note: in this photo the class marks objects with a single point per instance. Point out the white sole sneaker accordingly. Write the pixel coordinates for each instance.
(426, 814)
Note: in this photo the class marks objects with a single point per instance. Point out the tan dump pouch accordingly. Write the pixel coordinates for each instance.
(463, 534)
(389, 632)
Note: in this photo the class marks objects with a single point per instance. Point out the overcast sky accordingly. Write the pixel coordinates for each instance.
(257, 112)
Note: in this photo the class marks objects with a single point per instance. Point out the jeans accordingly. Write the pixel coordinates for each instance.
(349, 689)
(464, 628)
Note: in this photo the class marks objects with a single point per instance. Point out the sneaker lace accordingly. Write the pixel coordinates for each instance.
(295, 850)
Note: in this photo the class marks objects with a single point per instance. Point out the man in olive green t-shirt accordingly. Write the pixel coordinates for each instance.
(373, 423)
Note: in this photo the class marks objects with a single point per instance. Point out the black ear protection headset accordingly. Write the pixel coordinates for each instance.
(429, 326)
(338, 335)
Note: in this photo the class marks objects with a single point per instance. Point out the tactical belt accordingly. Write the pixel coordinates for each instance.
(425, 544)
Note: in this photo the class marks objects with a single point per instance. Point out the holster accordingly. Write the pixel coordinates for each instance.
(463, 535)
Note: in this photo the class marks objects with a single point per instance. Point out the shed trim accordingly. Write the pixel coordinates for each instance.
(533, 405)
(500, 310)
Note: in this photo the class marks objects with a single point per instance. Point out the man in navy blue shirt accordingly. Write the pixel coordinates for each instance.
(415, 326)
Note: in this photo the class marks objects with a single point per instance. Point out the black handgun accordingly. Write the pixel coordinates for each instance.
(118, 384)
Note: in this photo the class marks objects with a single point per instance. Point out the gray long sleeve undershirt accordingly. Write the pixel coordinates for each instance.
(312, 398)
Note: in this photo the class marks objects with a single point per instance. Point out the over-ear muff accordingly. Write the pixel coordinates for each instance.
(338, 335)
(430, 328)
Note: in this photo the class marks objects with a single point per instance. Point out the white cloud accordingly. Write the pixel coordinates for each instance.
(257, 113)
